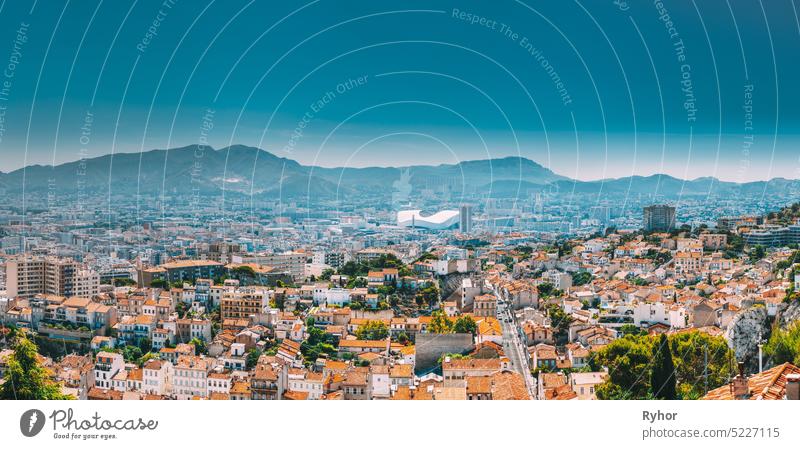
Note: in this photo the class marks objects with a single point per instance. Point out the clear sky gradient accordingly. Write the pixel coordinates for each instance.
(591, 89)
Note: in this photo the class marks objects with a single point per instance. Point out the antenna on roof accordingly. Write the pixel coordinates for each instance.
(730, 367)
(705, 368)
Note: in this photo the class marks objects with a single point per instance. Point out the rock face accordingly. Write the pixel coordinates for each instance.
(451, 283)
(432, 346)
(743, 335)
(790, 314)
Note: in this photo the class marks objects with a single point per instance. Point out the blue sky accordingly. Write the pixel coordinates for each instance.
(591, 89)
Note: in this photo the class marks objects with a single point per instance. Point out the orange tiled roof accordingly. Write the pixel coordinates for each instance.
(479, 385)
(769, 384)
(507, 385)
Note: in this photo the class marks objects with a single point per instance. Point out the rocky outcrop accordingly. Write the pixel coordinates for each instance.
(430, 347)
(790, 314)
(743, 335)
(451, 283)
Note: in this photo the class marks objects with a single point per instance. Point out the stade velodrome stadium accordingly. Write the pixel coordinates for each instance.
(440, 220)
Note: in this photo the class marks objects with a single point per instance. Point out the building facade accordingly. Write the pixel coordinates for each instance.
(658, 217)
(28, 276)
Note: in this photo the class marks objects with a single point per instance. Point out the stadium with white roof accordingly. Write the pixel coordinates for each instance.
(444, 219)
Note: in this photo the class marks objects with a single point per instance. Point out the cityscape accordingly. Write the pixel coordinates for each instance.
(472, 297)
(469, 201)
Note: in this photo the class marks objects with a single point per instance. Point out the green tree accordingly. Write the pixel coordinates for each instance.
(199, 345)
(784, 345)
(465, 325)
(662, 375)
(160, 283)
(402, 337)
(357, 282)
(386, 290)
(628, 360)
(640, 282)
(700, 360)
(181, 308)
(440, 323)
(145, 358)
(25, 377)
(123, 282)
(145, 345)
(428, 295)
(318, 342)
(426, 256)
(581, 278)
(658, 257)
(757, 253)
(130, 353)
(735, 243)
(278, 302)
(386, 261)
(545, 290)
(452, 356)
(635, 362)
(630, 329)
(353, 269)
(560, 322)
(252, 358)
(524, 249)
(564, 248)
(372, 330)
(243, 271)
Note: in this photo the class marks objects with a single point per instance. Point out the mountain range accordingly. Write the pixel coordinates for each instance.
(248, 170)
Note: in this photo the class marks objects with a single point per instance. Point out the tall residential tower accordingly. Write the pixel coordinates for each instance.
(658, 217)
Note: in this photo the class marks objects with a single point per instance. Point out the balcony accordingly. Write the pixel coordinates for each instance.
(102, 367)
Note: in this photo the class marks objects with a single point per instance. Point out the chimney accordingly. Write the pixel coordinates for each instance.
(793, 386)
(741, 390)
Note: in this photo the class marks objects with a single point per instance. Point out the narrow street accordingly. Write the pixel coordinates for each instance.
(514, 346)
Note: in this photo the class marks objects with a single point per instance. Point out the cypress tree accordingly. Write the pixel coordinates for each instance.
(662, 378)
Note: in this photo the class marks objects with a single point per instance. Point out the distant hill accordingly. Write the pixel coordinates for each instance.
(669, 186)
(249, 170)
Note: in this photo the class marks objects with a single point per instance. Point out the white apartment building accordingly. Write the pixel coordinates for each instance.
(190, 377)
(560, 280)
(291, 262)
(86, 283)
(188, 329)
(672, 315)
(218, 382)
(331, 296)
(27, 276)
(585, 384)
(106, 366)
(380, 381)
(306, 382)
(688, 261)
(688, 244)
(157, 377)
